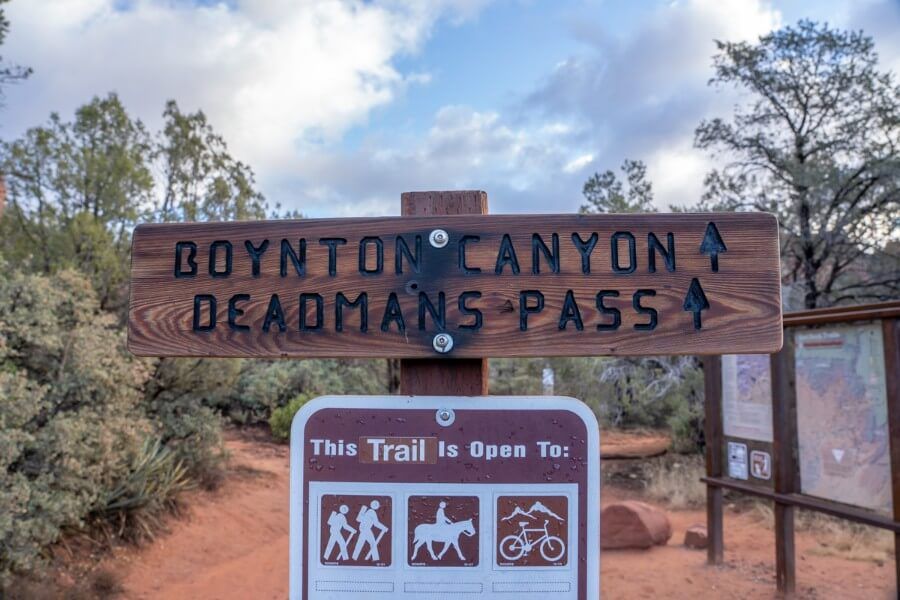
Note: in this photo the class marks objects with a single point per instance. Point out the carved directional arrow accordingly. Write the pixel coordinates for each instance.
(696, 301)
(712, 244)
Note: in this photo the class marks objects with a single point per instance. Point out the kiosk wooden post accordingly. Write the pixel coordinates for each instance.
(712, 367)
(784, 433)
(431, 376)
(890, 329)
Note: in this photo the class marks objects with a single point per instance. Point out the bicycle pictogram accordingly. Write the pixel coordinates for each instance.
(532, 531)
(514, 547)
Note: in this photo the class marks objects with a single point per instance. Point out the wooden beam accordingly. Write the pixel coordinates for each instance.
(835, 509)
(843, 314)
(454, 377)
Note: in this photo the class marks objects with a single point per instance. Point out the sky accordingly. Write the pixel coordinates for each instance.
(340, 106)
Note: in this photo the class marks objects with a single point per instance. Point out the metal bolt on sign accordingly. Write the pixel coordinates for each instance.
(445, 417)
(439, 238)
(442, 342)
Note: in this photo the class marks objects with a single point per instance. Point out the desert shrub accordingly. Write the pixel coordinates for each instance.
(687, 418)
(180, 398)
(70, 421)
(516, 376)
(280, 421)
(264, 386)
(653, 392)
(133, 509)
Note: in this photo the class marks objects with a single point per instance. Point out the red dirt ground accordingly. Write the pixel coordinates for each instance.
(233, 543)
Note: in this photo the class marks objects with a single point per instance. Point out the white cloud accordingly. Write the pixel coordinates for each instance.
(285, 80)
(637, 97)
(677, 172)
(463, 149)
(641, 95)
(578, 163)
(274, 76)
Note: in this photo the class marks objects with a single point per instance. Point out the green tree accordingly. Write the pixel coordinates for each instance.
(76, 190)
(606, 193)
(818, 145)
(9, 73)
(652, 391)
(201, 180)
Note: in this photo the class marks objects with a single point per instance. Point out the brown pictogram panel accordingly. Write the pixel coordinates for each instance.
(442, 531)
(532, 531)
(356, 530)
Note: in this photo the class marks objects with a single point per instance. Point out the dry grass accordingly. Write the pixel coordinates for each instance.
(675, 481)
(837, 537)
(834, 536)
(101, 584)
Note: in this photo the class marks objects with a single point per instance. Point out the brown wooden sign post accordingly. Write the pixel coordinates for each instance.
(444, 287)
(430, 376)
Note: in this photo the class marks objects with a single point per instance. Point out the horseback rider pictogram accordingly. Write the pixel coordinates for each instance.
(454, 528)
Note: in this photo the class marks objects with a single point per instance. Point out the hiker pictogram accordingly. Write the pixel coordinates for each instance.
(368, 521)
(356, 530)
(443, 531)
(337, 525)
(532, 531)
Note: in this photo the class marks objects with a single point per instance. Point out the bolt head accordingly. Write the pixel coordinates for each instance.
(439, 238)
(445, 417)
(442, 342)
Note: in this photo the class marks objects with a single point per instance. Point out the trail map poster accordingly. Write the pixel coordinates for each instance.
(747, 396)
(844, 449)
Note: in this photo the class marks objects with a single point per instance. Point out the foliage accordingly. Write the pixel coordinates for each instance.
(77, 189)
(605, 193)
(516, 376)
(202, 182)
(134, 507)
(282, 417)
(75, 422)
(9, 73)
(179, 398)
(652, 391)
(818, 145)
(264, 386)
(70, 421)
(657, 392)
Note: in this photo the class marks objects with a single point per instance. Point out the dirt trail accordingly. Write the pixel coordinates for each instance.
(234, 544)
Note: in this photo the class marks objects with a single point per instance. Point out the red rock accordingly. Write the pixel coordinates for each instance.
(695, 537)
(633, 524)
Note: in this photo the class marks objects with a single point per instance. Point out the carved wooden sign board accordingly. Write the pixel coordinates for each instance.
(440, 497)
(458, 286)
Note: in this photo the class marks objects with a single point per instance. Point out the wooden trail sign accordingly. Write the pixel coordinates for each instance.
(458, 286)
